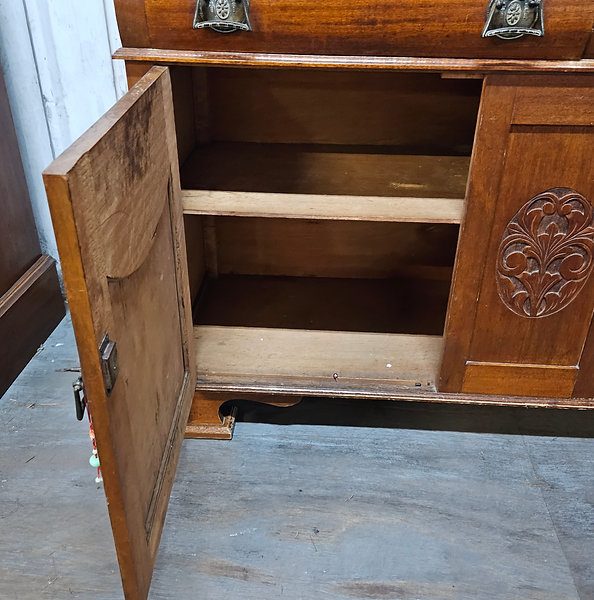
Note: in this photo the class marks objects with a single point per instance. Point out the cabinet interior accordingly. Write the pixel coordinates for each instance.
(322, 211)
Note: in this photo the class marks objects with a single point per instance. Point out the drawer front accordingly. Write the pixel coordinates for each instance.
(426, 28)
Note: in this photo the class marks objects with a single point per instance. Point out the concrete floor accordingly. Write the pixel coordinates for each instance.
(428, 503)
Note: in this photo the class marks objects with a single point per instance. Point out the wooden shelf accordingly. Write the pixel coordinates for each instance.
(335, 359)
(300, 181)
(312, 206)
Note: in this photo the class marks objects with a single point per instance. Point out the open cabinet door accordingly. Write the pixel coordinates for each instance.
(115, 203)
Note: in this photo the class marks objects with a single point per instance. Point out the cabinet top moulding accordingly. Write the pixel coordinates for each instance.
(377, 63)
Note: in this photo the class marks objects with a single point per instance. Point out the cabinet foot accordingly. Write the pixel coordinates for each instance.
(206, 422)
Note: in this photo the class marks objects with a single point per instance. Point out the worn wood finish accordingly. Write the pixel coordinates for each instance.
(207, 422)
(322, 207)
(115, 202)
(373, 63)
(317, 169)
(480, 327)
(329, 357)
(407, 28)
(263, 246)
(30, 298)
(384, 390)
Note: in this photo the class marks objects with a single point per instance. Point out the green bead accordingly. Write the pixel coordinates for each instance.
(94, 461)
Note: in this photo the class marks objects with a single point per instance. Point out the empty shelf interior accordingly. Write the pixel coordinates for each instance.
(393, 305)
(332, 359)
(323, 182)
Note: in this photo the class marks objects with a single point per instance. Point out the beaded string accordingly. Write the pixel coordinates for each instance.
(94, 460)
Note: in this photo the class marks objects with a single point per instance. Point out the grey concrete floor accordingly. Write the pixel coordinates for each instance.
(437, 503)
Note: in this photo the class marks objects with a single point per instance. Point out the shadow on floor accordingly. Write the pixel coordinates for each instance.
(418, 415)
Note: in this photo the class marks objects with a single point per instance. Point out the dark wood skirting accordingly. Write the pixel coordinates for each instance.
(29, 311)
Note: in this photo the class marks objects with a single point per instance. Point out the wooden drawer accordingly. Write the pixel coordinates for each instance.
(359, 27)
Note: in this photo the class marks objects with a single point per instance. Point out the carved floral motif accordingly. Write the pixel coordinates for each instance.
(546, 254)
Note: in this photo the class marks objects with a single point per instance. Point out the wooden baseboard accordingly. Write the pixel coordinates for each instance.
(29, 311)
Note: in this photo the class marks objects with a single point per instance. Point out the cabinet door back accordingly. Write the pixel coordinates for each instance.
(523, 294)
(115, 203)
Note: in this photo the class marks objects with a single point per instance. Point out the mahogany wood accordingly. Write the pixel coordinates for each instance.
(356, 62)
(299, 247)
(406, 304)
(520, 379)
(136, 70)
(360, 27)
(319, 173)
(115, 202)
(362, 375)
(352, 357)
(207, 422)
(417, 112)
(324, 170)
(482, 326)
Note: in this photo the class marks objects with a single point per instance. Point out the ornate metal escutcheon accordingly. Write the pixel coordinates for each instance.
(511, 19)
(546, 254)
(224, 16)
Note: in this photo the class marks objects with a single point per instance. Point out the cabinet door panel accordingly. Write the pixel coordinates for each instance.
(523, 298)
(115, 202)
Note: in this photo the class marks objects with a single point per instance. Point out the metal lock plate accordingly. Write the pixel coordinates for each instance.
(224, 16)
(108, 353)
(512, 19)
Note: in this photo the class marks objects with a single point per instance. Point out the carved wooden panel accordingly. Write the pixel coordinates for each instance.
(545, 256)
(522, 298)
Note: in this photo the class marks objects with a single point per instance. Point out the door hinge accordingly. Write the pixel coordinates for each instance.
(80, 402)
(108, 353)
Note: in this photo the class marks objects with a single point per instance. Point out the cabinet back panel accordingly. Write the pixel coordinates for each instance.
(419, 111)
(390, 305)
(260, 246)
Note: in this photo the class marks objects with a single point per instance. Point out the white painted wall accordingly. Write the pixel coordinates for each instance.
(56, 58)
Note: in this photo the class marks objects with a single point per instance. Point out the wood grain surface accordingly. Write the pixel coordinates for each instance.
(407, 28)
(480, 327)
(115, 202)
(324, 170)
(373, 63)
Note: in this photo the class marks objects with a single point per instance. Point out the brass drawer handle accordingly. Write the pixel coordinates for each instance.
(512, 19)
(224, 16)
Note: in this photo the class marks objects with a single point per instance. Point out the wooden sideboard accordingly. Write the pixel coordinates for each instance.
(361, 199)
